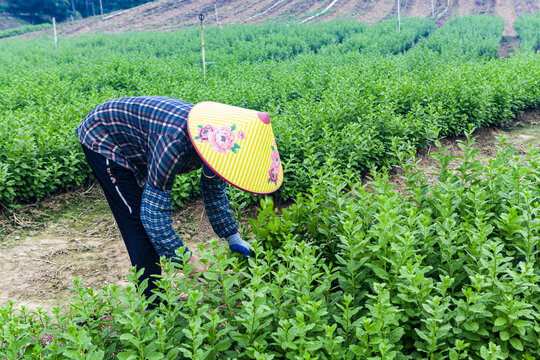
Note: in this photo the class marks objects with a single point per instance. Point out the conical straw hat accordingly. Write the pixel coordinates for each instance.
(237, 144)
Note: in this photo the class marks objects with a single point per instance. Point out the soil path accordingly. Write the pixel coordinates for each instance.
(74, 234)
(421, 9)
(466, 7)
(504, 9)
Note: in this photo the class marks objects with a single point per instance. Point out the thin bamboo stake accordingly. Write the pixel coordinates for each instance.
(54, 29)
(201, 18)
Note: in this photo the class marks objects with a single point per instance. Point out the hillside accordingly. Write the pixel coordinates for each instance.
(10, 22)
(168, 15)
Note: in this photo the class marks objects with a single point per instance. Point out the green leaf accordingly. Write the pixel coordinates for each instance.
(97, 355)
(379, 271)
(126, 355)
(235, 148)
(70, 353)
(520, 323)
(516, 343)
(452, 354)
(223, 345)
(484, 352)
(186, 353)
(483, 332)
(472, 326)
(211, 276)
(233, 127)
(500, 322)
(155, 356)
(504, 335)
(357, 350)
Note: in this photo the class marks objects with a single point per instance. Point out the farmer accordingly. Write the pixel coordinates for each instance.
(136, 146)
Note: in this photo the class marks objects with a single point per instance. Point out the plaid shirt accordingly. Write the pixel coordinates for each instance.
(149, 136)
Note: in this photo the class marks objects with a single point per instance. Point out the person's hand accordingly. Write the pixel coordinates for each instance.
(236, 244)
(240, 249)
(199, 267)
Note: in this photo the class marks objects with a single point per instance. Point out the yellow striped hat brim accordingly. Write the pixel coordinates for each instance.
(238, 145)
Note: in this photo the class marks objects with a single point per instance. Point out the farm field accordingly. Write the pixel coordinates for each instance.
(65, 242)
(374, 254)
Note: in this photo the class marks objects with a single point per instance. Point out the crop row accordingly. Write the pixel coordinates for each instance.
(469, 37)
(528, 29)
(448, 271)
(351, 108)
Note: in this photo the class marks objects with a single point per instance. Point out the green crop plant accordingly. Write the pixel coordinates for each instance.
(528, 30)
(447, 269)
(319, 89)
(473, 36)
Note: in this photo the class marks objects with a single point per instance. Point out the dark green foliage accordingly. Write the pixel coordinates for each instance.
(84, 7)
(40, 10)
(351, 106)
(449, 269)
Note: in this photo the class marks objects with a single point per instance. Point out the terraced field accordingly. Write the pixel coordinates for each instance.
(169, 15)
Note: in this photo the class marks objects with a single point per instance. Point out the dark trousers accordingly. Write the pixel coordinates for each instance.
(124, 197)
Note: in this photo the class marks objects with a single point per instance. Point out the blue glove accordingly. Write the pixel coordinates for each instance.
(236, 244)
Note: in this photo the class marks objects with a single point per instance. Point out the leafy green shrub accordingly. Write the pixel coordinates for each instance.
(472, 36)
(388, 41)
(350, 106)
(528, 29)
(447, 269)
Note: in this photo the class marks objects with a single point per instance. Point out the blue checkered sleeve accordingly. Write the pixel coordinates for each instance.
(156, 216)
(217, 206)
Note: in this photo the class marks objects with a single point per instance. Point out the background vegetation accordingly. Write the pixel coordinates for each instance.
(322, 85)
(39, 11)
(528, 28)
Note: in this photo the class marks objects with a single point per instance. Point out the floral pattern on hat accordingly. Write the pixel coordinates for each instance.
(222, 139)
(275, 165)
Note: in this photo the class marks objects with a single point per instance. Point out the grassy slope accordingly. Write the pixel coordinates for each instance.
(10, 22)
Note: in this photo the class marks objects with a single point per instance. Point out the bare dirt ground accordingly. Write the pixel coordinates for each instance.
(73, 234)
(466, 7)
(504, 9)
(46, 244)
(169, 15)
(509, 45)
(420, 9)
(522, 133)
